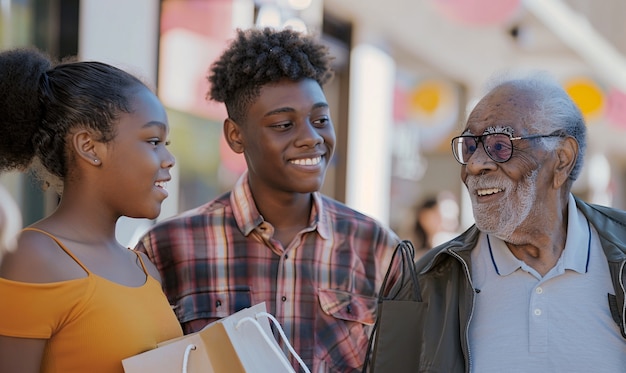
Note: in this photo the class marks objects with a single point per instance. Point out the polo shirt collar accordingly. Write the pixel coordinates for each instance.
(575, 256)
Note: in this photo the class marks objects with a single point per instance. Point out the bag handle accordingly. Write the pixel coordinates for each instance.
(272, 343)
(407, 257)
(186, 356)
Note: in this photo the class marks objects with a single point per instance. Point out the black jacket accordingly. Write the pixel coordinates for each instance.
(445, 278)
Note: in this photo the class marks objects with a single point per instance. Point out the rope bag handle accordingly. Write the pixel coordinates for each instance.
(267, 339)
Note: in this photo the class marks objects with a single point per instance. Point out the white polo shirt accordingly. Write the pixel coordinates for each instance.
(561, 322)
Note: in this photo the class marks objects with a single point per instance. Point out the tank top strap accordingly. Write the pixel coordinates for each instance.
(143, 266)
(67, 251)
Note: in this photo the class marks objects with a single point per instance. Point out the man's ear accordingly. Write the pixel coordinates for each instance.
(86, 147)
(567, 153)
(232, 133)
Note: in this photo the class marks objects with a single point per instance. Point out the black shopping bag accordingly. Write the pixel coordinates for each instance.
(393, 345)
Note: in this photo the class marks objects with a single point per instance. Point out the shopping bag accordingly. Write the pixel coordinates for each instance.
(240, 343)
(393, 344)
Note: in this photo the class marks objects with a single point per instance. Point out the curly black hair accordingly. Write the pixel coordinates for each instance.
(41, 102)
(257, 57)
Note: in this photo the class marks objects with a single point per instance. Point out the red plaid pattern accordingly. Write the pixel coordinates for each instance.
(220, 257)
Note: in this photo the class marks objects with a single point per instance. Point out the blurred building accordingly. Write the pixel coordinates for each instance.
(406, 74)
(444, 51)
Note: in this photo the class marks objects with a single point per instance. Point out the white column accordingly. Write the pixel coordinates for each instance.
(372, 79)
(121, 32)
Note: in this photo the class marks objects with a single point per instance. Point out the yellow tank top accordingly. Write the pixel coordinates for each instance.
(91, 323)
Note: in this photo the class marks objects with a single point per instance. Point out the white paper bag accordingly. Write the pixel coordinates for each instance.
(240, 343)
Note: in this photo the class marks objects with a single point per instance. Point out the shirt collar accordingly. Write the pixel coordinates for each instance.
(244, 207)
(321, 218)
(575, 256)
(248, 217)
(578, 242)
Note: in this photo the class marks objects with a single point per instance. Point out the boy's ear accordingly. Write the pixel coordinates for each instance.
(86, 147)
(232, 133)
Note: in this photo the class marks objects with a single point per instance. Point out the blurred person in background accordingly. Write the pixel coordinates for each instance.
(537, 284)
(436, 221)
(316, 263)
(10, 222)
(73, 298)
(427, 223)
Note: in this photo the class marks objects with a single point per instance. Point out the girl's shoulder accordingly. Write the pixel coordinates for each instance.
(39, 258)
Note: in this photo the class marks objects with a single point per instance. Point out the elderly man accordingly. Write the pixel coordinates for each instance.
(537, 284)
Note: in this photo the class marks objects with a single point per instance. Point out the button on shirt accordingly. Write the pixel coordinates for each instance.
(523, 322)
(322, 288)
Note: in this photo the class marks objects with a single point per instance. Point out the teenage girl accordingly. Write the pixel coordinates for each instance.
(73, 299)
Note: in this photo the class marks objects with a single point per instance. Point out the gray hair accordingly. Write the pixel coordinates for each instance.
(554, 111)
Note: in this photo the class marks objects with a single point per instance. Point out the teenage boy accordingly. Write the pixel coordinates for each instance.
(273, 238)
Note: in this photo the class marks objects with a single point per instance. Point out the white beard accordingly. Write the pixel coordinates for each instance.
(503, 218)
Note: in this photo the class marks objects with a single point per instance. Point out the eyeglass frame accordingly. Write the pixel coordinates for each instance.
(479, 139)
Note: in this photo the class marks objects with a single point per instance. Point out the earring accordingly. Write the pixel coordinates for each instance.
(95, 161)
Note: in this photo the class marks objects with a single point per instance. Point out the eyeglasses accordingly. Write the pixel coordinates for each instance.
(498, 146)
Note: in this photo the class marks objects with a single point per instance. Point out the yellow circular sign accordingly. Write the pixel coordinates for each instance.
(587, 95)
(427, 98)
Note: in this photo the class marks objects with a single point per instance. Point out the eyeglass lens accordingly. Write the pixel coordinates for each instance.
(498, 147)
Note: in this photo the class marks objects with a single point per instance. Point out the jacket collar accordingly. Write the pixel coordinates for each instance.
(610, 224)
(611, 227)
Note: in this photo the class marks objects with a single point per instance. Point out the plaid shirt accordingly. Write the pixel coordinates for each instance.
(220, 258)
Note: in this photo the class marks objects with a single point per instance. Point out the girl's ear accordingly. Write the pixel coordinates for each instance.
(86, 147)
(232, 133)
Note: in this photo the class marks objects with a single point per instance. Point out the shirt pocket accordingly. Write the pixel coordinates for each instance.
(348, 306)
(350, 317)
(212, 304)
